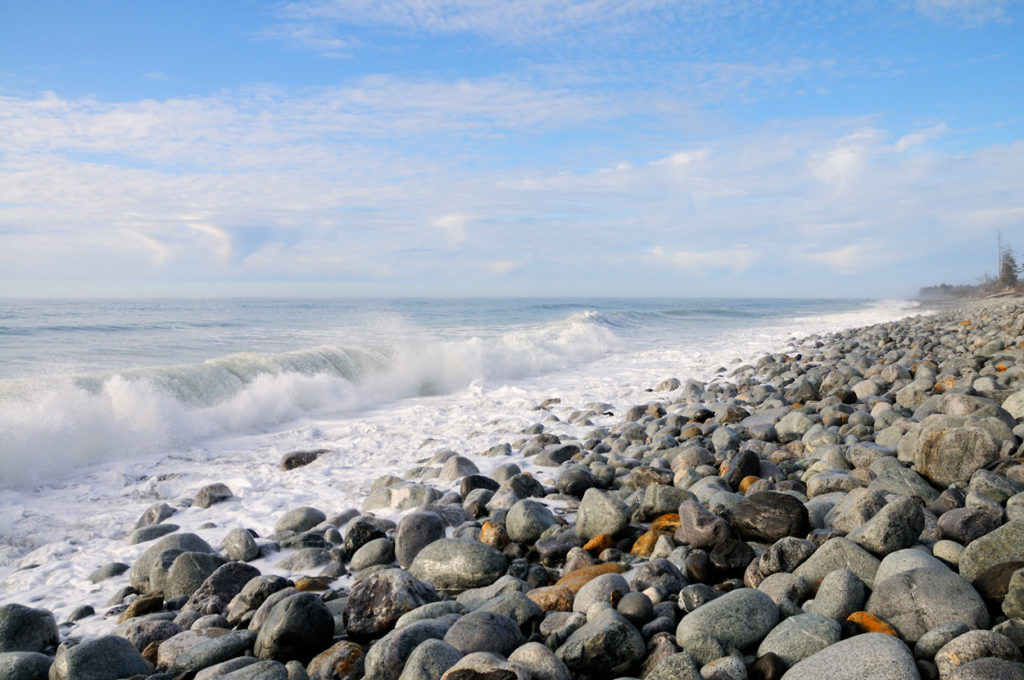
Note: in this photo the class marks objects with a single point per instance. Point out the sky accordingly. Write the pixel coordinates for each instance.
(679, 148)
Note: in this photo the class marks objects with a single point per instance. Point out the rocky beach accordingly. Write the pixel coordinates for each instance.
(850, 508)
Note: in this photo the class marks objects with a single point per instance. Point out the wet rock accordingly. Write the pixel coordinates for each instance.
(378, 552)
(299, 520)
(103, 657)
(240, 545)
(484, 631)
(298, 627)
(376, 602)
(154, 514)
(109, 570)
(139, 574)
(296, 459)
(150, 533)
(454, 564)
(23, 629)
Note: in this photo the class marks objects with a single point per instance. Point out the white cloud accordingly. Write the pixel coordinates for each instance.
(973, 12)
(502, 267)
(702, 262)
(453, 226)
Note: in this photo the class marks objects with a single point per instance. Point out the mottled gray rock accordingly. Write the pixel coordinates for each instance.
(188, 571)
(433, 610)
(540, 662)
(793, 426)
(1005, 544)
(931, 642)
(379, 551)
(23, 629)
(839, 553)
(485, 666)
(475, 598)
(154, 514)
(873, 655)
(679, 666)
(604, 588)
(101, 658)
(138, 575)
(455, 564)
(516, 606)
(386, 657)
(739, 619)
(430, 660)
(213, 651)
(25, 665)
(298, 627)
(782, 586)
(252, 595)
(894, 527)
(212, 494)
(456, 467)
(299, 520)
(261, 670)
(527, 520)
(658, 573)
(913, 602)
(377, 601)
(840, 594)
(217, 591)
(600, 513)
(109, 570)
(700, 528)
(416, 530)
(606, 643)
(974, 645)
(240, 545)
(142, 631)
(305, 559)
(948, 455)
(484, 631)
(799, 637)
(989, 668)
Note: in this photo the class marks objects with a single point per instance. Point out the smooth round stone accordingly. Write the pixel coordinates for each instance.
(527, 520)
(506, 585)
(376, 602)
(23, 629)
(839, 553)
(768, 516)
(139, 573)
(385, 657)
(261, 670)
(483, 631)
(798, 637)
(988, 668)
(457, 467)
(932, 641)
(600, 513)
(840, 594)
(540, 662)
(659, 573)
(415, 531)
(240, 545)
(377, 552)
(1005, 544)
(305, 559)
(25, 665)
(948, 551)
(150, 533)
(103, 657)
(212, 494)
(636, 607)
(974, 645)
(906, 560)
(738, 619)
(872, 655)
(604, 588)
(517, 607)
(606, 643)
(454, 564)
(108, 571)
(430, 660)
(783, 586)
(913, 602)
(299, 627)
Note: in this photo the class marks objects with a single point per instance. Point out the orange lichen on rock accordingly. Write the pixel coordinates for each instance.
(668, 522)
(644, 546)
(575, 580)
(1000, 367)
(598, 544)
(312, 583)
(494, 535)
(747, 482)
(552, 598)
(690, 432)
(869, 623)
(943, 385)
(965, 322)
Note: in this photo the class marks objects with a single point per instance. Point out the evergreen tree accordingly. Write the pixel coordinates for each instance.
(1008, 269)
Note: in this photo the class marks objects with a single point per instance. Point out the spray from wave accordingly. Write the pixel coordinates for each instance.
(51, 425)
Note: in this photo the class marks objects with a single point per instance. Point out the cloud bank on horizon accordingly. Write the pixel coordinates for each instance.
(491, 147)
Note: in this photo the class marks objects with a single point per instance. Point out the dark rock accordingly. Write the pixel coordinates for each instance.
(297, 459)
(575, 480)
(767, 667)
(770, 515)
(731, 556)
(108, 571)
(139, 575)
(299, 627)
(103, 657)
(358, 534)
(964, 525)
(659, 573)
(429, 661)
(23, 629)
(416, 530)
(607, 643)
(216, 592)
(484, 631)
(472, 482)
(376, 602)
(299, 520)
(25, 665)
(699, 527)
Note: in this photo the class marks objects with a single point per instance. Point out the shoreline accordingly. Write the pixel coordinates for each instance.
(631, 447)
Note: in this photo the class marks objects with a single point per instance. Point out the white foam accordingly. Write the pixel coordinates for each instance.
(79, 525)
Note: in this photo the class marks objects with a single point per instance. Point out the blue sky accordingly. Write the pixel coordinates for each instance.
(529, 147)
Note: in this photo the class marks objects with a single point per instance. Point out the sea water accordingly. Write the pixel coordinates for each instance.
(107, 406)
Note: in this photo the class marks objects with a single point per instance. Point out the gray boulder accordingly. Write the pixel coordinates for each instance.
(946, 455)
(25, 665)
(212, 494)
(873, 655)
(386, 657)
(600, 513)
(604, 588)
(188, 571)
(299, 520)
(740, 619)
(102, 658)
(138, 575)
(484, 631)
(894, 527)
(416, 530)
(376, 602)
(240, 545)
(298, 627)
(607, 643)
(974, 645)
(799, 637)
(457, 564)
(213, 651)
(540, 662)
(913, 602)
(23, 629)
(527, 520)
(218, 590)
(839, 553)
(485, 666)
(1004, 544)
(429, 661)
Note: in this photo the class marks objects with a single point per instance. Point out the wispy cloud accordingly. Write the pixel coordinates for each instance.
(971, 12)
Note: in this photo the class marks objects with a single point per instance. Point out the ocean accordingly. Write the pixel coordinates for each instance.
(107, 406)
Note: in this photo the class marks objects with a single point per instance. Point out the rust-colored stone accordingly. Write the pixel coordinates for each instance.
(552, 598)
(1000, 367)
(668, 522)
(943, 385)
(644, 546)
(965, 322)
(151, 651)
(869, 623)
(575, 580)
(146, 604)
(598, 544)
(312, 583)
(494, 535)
(747, 482)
